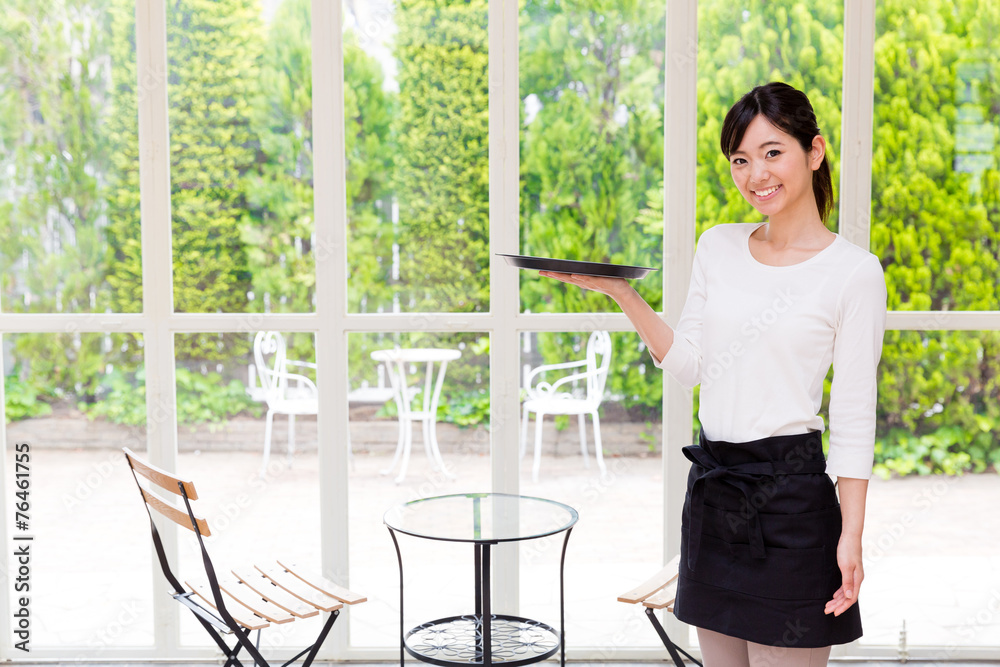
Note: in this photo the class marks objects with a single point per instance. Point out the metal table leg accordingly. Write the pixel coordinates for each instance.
(399, 557)
(562, 601)
(487, 617)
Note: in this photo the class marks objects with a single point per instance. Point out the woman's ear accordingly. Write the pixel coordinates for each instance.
(817, 152)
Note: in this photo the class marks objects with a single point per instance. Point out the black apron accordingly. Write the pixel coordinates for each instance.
(759, 541)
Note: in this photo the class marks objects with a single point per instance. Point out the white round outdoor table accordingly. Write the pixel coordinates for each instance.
(395, 361)
(483, 520)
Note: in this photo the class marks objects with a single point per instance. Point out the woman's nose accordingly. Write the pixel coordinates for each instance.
(758, 173)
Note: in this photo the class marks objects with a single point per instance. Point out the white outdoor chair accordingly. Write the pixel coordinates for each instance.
(272, 343)
(285, 393)
(545, 398)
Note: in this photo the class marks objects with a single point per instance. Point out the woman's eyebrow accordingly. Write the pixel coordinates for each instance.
(772, 142)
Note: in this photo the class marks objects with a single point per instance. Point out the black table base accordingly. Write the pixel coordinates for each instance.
(465, 640)
(458, 640)
(461, 641)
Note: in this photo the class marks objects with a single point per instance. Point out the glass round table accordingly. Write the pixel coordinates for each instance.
(483, 520)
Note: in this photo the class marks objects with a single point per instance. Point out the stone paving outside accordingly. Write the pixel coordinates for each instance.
(932, 544)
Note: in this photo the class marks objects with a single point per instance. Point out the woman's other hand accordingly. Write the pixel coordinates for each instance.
(852, 573)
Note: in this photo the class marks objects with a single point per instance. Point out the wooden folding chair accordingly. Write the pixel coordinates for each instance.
(658, 593)
(243, 600)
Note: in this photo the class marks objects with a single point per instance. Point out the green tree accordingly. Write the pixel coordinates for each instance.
(214, 49)
(55, 154)
(371, 149)
(277, 229)
(441, 174)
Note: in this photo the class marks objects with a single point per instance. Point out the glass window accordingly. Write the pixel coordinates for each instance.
(72, 402)
(438, 575)
(935, 179)
(591, 90)
(934, 225)
(241, 156)
(258, 512)
(416, 119)
(935, 456)
(620, 504)
(69, 200)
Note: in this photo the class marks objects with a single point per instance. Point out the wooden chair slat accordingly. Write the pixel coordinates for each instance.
(663, 598)
(321, 583)
(278, 596)
(655, 583)
(160, 477)
(174, 514)
(254, 602)
(235, 609)
(299, 589)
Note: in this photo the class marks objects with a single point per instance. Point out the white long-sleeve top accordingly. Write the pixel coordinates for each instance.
(760, 340)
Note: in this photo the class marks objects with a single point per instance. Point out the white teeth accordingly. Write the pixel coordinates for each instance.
(764, 193)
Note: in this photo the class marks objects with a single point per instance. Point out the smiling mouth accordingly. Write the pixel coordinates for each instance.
(767, 192)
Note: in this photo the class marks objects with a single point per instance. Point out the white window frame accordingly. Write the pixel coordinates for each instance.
(331, 323)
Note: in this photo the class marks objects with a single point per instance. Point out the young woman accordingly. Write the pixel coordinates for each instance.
(770, 556)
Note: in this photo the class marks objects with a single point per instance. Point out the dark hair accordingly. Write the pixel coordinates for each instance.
(788, 110)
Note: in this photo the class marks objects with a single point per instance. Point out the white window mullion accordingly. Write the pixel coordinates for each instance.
(856, 122)
(157, 282)
(679, 187)
(504, 119)
(330, 213)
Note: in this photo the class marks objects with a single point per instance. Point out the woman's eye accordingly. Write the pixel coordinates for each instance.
(774, 152)
(739, 161)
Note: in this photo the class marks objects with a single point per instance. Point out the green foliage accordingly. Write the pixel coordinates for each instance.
(201, 398)
(948, 450)
(371, 150)
(441, 174)
(121, 399)
(423, 152)
(22, 400)
(277, 229)
(123, 232)
(205, 398)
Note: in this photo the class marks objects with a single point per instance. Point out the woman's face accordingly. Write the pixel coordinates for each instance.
(773, 172)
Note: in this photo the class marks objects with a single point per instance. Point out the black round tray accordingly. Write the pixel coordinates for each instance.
(575, 266)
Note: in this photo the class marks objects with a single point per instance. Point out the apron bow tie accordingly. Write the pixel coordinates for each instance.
(746, 478)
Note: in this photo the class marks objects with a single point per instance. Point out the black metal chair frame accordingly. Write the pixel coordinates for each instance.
(673, 649)
(213, 624)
